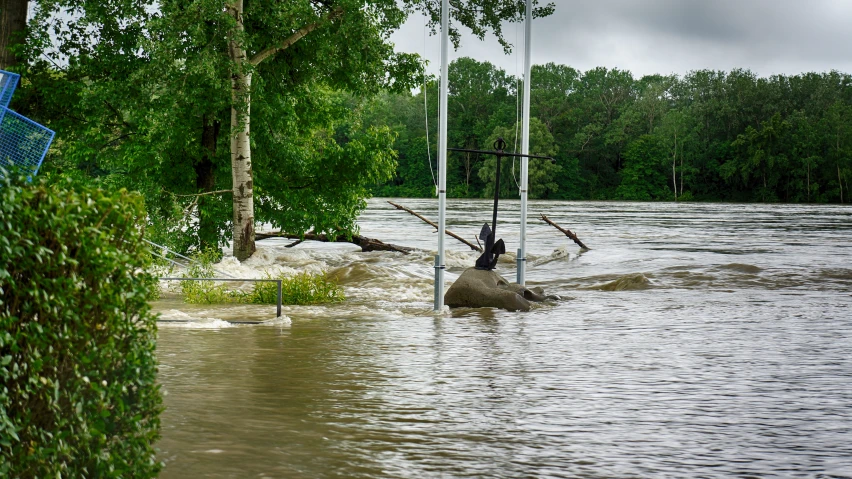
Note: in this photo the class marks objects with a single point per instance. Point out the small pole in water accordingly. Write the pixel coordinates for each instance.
(278, 315)
(442, 155)
(525, 144)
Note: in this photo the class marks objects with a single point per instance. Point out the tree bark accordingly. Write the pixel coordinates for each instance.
(241, 172)
(13, 24)
(244, 241)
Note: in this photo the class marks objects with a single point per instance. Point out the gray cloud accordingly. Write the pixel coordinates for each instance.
(673, 36)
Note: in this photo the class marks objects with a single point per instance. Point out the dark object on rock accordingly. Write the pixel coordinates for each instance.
(480, 288)
(488, 259)
(493, 247)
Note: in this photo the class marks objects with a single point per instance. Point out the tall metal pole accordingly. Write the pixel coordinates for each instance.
(525, 143)
(440, 265)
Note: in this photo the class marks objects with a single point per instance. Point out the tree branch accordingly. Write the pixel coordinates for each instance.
(300, 33)
(448, 232)
(567, 232)
(367, 244)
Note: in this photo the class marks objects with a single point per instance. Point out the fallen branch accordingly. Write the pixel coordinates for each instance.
(567, 232)
(448, 232)
(366, 244)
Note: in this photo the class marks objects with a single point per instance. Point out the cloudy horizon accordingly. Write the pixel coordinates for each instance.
(768, 37)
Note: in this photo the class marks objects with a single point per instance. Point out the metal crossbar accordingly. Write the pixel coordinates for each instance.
(278, 313)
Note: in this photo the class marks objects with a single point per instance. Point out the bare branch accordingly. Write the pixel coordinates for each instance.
(448, 232)
(565, 231)
(367, 244)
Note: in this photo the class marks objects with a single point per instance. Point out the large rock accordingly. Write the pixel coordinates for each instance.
(477, 288)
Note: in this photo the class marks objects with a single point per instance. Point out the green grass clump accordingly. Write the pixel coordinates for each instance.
(300, 289)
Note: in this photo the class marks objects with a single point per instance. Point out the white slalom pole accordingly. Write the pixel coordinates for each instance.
(525, 143)
(440, 264)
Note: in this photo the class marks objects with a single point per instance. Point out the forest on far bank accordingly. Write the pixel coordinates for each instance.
(706, 136)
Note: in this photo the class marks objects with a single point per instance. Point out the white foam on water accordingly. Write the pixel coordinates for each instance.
(557, 254)
(181, 320)
(272, 261)
(460, 259)
(282, 321)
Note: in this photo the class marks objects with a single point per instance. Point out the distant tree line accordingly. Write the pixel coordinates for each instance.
(708, 136)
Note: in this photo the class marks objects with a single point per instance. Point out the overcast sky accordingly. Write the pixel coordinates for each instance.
(669, 36)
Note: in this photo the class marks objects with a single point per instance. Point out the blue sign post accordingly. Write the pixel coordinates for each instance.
(23, 142)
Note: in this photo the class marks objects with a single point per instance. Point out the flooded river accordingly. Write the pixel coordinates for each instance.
(692, 340)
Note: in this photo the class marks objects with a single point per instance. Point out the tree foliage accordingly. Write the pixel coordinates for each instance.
(708, 135)
(224, 113)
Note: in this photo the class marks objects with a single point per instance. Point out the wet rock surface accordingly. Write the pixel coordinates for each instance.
(486, 289)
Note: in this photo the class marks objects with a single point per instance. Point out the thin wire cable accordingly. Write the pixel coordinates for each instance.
(425, 102)
(517, 109)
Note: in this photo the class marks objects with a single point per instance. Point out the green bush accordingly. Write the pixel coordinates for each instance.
(79, 396)
(299, 289)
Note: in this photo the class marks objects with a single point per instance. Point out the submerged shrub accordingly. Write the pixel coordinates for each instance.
(79, 396)
(299, 289)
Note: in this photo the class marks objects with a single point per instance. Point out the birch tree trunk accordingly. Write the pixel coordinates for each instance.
(243, 227)
(809, 180)
(241, 172)
(837, 147)
(674, 166)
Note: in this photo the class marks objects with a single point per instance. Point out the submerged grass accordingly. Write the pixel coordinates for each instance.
(299, 289)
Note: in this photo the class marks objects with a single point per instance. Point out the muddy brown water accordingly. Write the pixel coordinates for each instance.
(693, 340)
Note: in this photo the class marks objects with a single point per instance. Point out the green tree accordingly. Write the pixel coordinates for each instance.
(478, 93)
(838, 127)
(806, 159)
(675, 133)
(762, 158)
(261, 61)
(541, 172)
(644, 174)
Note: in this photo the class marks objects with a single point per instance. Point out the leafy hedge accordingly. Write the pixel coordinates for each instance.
(79, 396)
